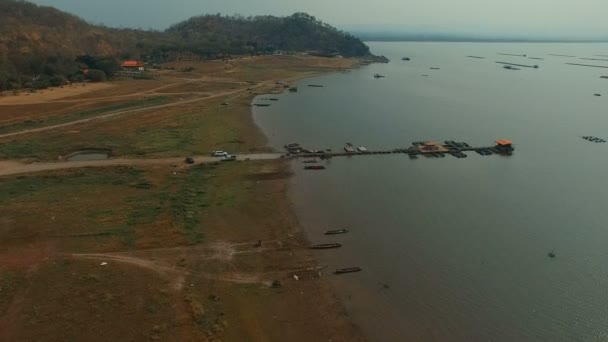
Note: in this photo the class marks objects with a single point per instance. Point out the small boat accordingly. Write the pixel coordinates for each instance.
(349, 148)
(273, 99)
(379, 76)
(348, 270)
(435, 68)
(293, 89)
(508, 67)
(413, 156)
(597, 94)
(262, 105)
(405, 59)
(314, 167)
(293, 145)
(605, 77)
(310, 162)
(362, 149)
(336, 232)
(316, 85)
(326, 246)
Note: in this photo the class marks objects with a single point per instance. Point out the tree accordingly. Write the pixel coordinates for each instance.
(95, 75)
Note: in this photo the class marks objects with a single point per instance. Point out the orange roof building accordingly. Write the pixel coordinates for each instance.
(503, 142)
(132, 65)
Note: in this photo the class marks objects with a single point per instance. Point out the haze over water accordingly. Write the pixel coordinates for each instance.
(457, 249)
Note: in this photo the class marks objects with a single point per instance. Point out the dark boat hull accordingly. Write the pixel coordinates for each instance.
(336, 232)
(347, 270)
(326, 246)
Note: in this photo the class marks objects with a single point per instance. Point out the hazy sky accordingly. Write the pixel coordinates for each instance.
(536, 17)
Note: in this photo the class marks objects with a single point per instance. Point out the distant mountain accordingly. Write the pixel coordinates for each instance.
(40, 46)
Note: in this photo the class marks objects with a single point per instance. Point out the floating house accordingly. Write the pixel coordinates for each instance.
(504, 146)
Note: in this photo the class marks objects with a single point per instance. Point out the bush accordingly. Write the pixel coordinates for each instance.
(96, 75)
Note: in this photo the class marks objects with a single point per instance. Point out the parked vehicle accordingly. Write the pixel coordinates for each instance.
(219, 154)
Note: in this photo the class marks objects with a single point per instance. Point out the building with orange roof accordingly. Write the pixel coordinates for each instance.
(132, 65)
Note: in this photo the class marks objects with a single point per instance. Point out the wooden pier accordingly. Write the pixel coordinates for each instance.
(419, 148)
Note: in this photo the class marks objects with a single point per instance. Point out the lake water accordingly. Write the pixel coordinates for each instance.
(457, 249)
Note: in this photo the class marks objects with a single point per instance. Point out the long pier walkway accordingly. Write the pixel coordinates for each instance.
(420, 148)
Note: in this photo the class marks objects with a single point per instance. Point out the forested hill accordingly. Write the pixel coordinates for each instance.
(299, 32)
(41, 46)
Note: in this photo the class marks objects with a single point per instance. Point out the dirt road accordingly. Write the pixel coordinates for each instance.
(11, 167)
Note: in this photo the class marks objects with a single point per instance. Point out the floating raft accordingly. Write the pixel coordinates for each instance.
(512, 54)
(589, 65)
(594, 139)
(519, 65)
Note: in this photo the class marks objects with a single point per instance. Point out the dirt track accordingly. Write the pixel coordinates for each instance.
(10, 167)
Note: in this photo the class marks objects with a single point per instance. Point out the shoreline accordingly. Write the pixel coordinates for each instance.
(336, 307)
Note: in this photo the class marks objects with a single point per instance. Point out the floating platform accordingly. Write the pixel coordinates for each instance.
(594, 139)
(519, 65)
(419, 148)
(588, 65)
(512, 54)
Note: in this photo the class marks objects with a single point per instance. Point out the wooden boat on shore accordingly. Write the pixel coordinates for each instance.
(348, 270)
(326, 246)
(314, 167)
(336, 232)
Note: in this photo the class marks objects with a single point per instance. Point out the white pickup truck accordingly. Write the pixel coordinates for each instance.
(219, 154)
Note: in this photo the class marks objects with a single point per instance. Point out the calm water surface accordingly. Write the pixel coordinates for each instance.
(456, 249)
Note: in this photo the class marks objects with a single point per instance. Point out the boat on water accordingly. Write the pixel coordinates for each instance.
(508, 67)
(405, 59)
(362, 149)
(605, 77)
(310, 161)
(348, 270)
(326, 246)
(435, 68)
(293, 89)
(314, 167)
(379, 76)
(262, 105)
(336, 232)
(316, 85)
(349, 148)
